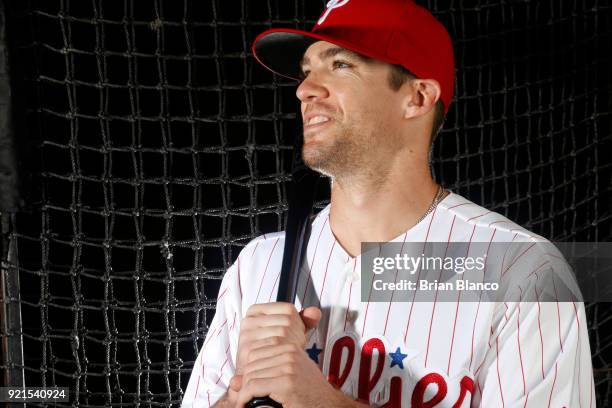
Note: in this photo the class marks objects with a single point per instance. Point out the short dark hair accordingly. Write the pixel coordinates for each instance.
(398, 77)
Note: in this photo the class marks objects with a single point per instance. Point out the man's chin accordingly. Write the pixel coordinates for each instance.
(315, 160)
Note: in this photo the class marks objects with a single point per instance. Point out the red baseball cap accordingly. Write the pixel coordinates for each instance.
(398, 32)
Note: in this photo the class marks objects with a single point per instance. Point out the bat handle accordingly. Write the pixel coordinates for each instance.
(263, 402)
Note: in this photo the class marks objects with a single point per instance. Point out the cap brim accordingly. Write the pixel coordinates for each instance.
(281, 50)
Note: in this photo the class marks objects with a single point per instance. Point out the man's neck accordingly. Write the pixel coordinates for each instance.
(380, 211)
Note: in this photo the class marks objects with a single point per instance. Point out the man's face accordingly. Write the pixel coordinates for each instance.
(350, 113)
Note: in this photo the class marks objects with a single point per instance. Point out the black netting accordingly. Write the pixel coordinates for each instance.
(160, 148)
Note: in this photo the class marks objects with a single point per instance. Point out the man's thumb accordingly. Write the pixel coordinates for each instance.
(236, 383)
(310, 317)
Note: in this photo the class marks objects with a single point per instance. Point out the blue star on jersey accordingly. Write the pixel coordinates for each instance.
(397, 358)
(314, 352)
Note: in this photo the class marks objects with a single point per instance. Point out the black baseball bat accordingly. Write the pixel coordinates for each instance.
(297, 234)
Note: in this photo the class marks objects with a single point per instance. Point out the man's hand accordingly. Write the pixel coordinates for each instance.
(283, 371)
(265, 322)
(272, 361)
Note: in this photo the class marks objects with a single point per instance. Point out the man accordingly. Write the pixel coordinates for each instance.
(377, 79)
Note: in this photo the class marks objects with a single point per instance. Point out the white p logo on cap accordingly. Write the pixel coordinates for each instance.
(331, 5)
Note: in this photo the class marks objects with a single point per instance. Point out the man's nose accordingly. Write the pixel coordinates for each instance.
(311, 89)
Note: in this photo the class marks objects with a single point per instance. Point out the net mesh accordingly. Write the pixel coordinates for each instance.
(160, 148)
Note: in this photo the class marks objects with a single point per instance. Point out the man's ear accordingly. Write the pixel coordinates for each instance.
(421, 97)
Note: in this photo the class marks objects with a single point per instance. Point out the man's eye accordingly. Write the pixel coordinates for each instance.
(341, 64)
(303, 75)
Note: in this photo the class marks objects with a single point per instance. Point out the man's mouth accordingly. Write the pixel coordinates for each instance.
(317, 119)
(316, 122)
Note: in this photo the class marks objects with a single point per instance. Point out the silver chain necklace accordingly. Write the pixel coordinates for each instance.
(437, 198)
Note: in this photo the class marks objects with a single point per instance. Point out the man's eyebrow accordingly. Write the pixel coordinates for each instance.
(332, 52)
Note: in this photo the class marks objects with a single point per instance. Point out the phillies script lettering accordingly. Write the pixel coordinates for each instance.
(373, 352)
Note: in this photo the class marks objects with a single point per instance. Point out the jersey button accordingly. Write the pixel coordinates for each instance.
(352, 315)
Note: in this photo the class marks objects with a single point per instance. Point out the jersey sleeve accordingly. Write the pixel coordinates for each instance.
(538, 355)
(215, 364)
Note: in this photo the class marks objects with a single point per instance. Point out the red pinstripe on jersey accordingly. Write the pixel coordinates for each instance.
(579, 355)
(234, 322)
(518, 341)
(537, 269)
(199, 377)
(224, 363)
(501, 391)
(393, 293)
(433, 214)
(517, 258)
(265, 270)
(433, 309)
(553, 387)
(202, 359)
(257, 244)
(313, 258)
(273, 286)
(558, 313)
(222, 294)
(348, 305)
(478, 216)
(331, 251)
(503, 262)
(217, 332)
(365, 318)
(450, 352)
(479, 300)
(540, 328)
(506, 311)
(459, 205)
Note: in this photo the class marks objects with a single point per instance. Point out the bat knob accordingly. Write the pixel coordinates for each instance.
(262, 402)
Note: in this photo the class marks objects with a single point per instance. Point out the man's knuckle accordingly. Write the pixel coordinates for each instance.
(288, 308)
(253, 378)
(290, 369)
(252, 357)
(245, 329)
(284, 331)
(254, 384)
(291, 357)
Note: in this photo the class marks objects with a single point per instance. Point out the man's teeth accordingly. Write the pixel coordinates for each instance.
(317, 119)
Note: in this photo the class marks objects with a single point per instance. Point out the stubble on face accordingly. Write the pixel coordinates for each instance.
(347, 153)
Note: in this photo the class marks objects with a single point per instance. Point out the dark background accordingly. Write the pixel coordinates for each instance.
(153, 148)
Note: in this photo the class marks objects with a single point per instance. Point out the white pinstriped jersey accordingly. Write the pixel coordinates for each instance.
(413, 354)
